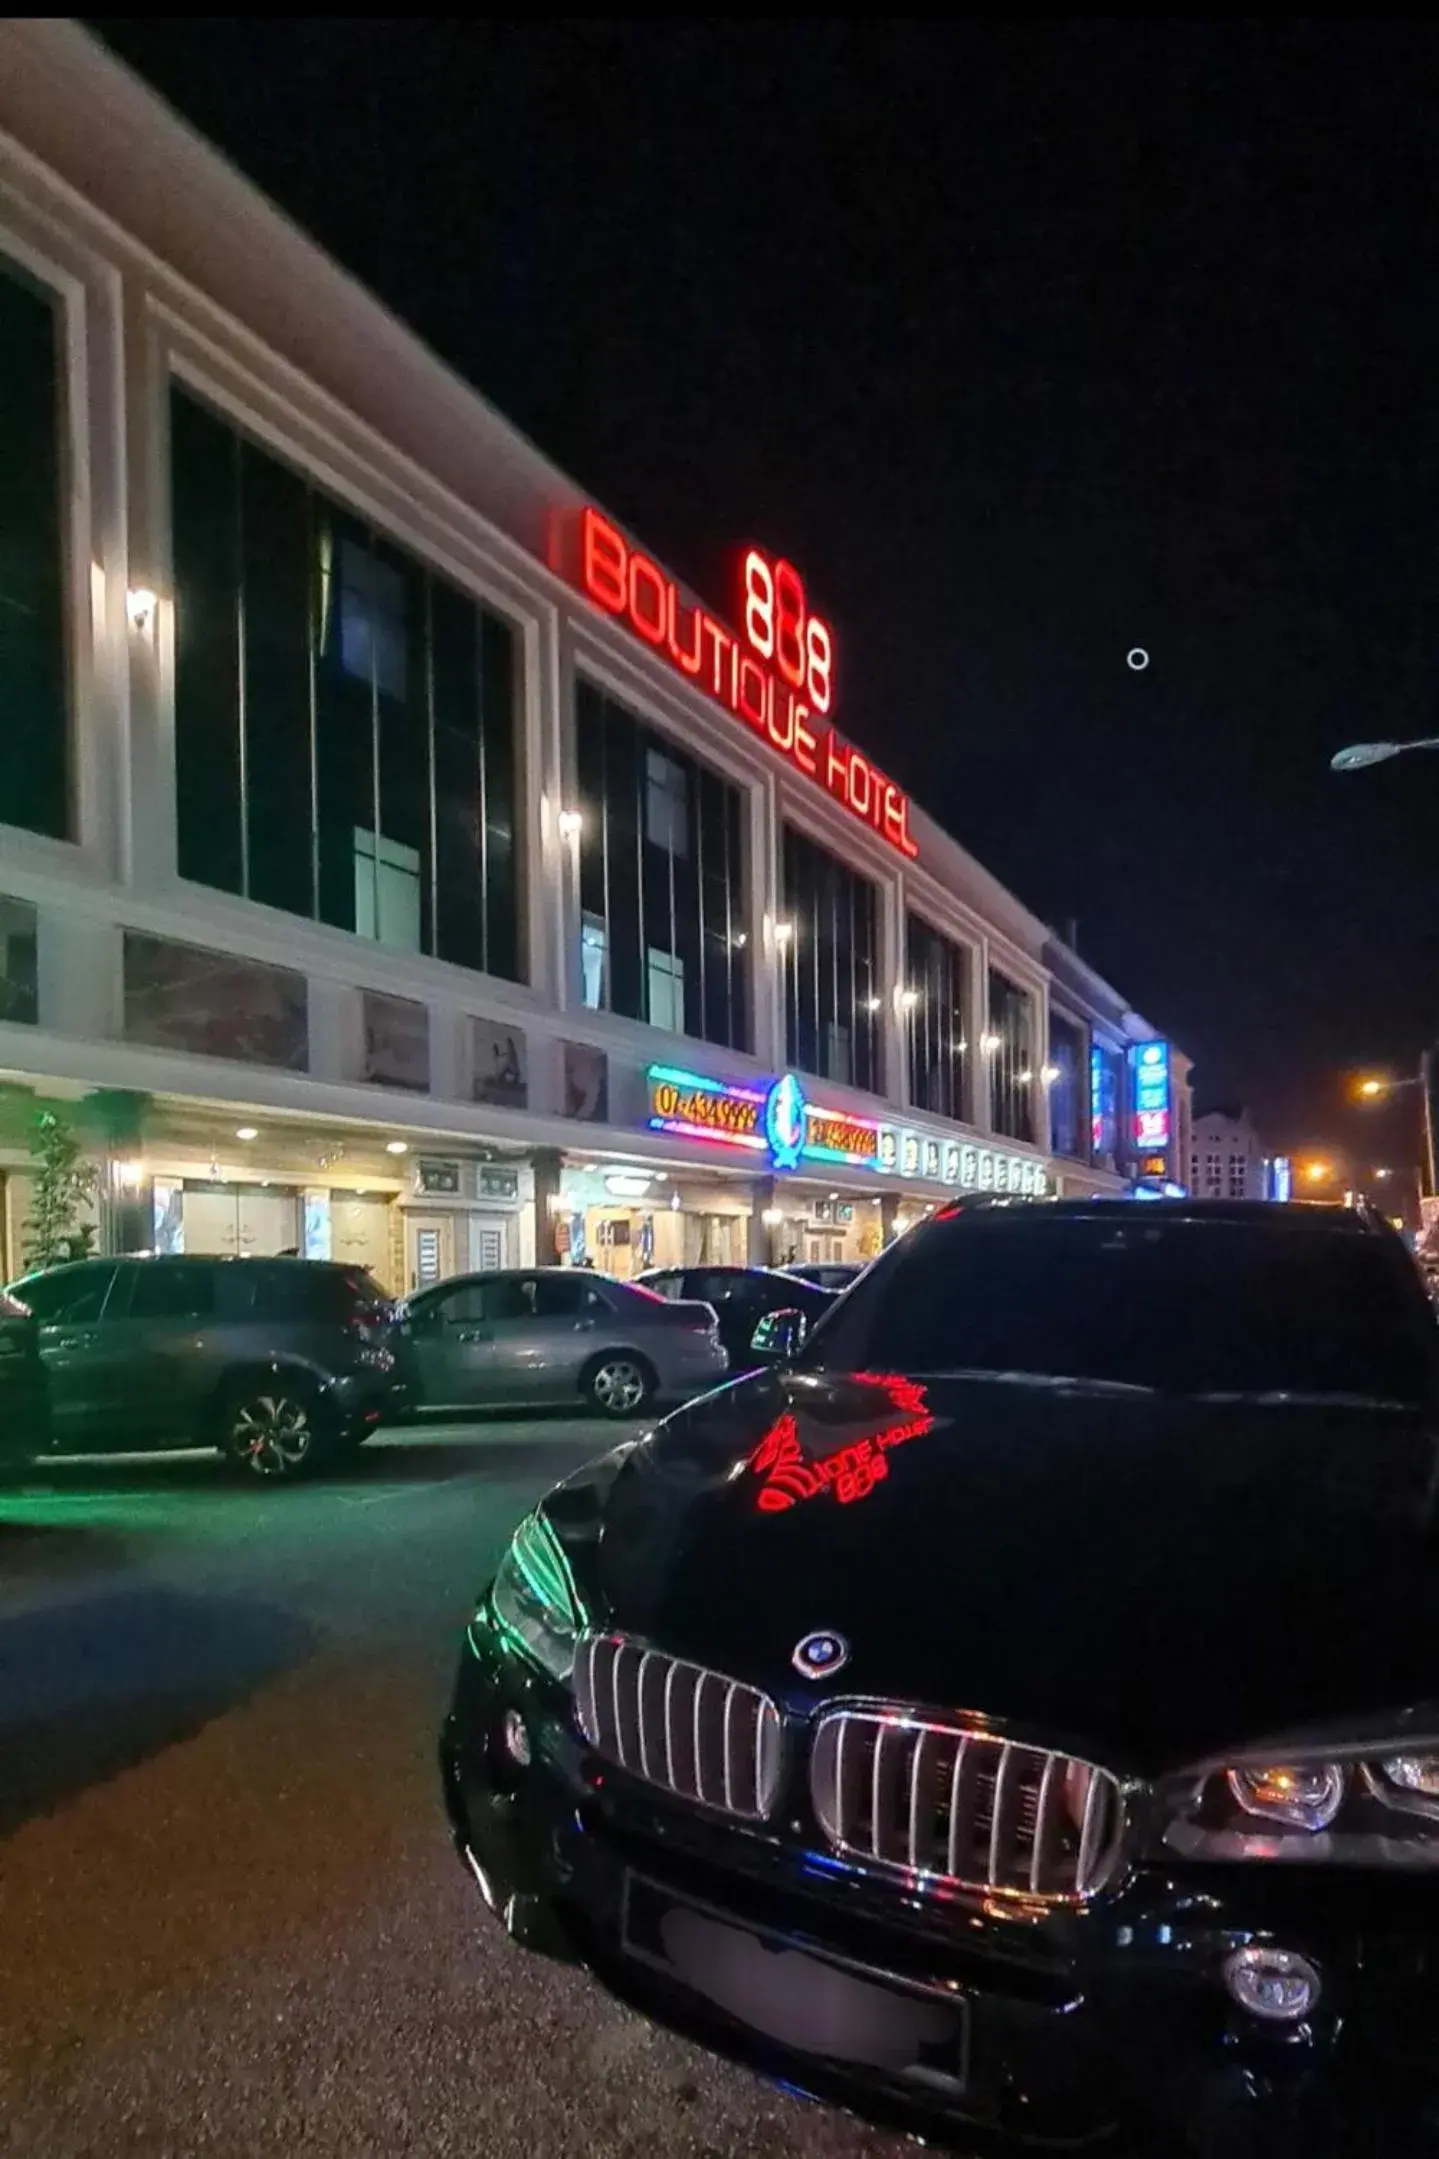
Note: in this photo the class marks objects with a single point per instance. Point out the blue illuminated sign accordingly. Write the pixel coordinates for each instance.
(1149, 1096)
(784, 1121)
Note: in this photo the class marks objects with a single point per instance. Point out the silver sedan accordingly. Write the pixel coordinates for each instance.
(551, 1335)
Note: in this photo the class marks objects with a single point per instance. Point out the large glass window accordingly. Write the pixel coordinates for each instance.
(830, 959)
(1065, 1079)
(345, 725)
(663, 934)
(34, 720)
(936, 1007)
(1105, 1074)
(1010, 1053)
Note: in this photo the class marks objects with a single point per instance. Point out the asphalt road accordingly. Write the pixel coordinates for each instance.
(230, 1918)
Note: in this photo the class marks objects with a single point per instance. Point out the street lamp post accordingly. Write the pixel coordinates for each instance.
(1374, 1090)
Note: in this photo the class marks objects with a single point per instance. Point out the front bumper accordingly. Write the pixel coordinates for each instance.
(367, 1398)
(1110, 2026)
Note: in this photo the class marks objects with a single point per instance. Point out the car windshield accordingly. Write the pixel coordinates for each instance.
(1218, 1309)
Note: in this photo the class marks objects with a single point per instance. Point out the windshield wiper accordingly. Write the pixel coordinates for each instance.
(1057, 1382)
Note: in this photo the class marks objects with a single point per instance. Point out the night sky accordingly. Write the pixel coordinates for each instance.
(1028, 345)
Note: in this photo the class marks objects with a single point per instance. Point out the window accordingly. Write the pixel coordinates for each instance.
(666, 807)
(592, 962)
(667, 1285)
(387, 891)
(1010, 1054)
(937, 1020)
(830, 968)
(345, 720)
(661, 880)
(1238, 1177)
(66, 1296)
(1105, 1066)
(19, 970)
(35, 735)
(666, 992)
(1188, 1307)
(372, 620)
(565, 1296)
(1212, 1177)
(169, 1289)
(1067, 1061)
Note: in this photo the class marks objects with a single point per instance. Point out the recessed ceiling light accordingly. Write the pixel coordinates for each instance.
(397, 1146)
(246, 1131)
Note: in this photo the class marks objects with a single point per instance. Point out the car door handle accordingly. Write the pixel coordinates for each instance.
(584, 1326)
(473, 1334)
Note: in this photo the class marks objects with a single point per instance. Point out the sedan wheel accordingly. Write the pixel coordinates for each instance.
(271, 1435)
(619, 1387)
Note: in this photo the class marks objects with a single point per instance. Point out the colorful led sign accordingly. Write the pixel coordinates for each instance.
(1149, 1122)
(773, 1118)
(778, 678)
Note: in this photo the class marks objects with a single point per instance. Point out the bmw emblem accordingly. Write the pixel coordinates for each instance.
(821, 1653)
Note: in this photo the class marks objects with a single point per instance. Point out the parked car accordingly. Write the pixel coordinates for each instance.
(24, 1406)
(1022, 1708)
(551, 1335)
(280, 1363)
(740, 1296)
(835, 1274)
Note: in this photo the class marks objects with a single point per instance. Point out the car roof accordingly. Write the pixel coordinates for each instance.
(1319, 1215)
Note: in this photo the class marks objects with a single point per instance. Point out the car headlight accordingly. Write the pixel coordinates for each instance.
(1338, 1805)
(534, 1598)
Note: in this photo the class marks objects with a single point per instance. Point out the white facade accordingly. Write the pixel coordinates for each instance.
(169, 267)
(1227, 1159)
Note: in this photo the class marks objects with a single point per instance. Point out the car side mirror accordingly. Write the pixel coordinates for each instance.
(780, 1335)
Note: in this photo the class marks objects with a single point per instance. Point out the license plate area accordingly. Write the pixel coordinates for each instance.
(811, 2001)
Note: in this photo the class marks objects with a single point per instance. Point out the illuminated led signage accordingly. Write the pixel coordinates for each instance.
(1149, 1096)
(788, 1474)
(778, 678)
(774, 1119)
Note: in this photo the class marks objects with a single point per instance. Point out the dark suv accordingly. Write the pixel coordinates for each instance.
(280, 1363)
(1020, 1709)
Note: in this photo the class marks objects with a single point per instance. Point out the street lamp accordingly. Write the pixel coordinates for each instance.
(1375, 1090)
(1356, 754)
(1316, 1172)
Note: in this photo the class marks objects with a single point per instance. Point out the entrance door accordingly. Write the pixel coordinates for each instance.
(360, 1233)
(429, 1249)
(489, 1242)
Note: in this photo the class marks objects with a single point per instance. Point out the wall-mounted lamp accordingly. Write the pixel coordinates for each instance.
(989, 1044)
(906, 999)
(397, 1146)
(571, 824)
(129, 1175)
(771, 1218)
(1051, 1075)
(140, 605)
(246, 1131)
(783, 933)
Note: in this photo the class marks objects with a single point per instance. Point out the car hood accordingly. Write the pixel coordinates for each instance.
(1144, 1578)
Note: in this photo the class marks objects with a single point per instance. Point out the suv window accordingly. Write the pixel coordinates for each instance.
(67, 1295)
(167, 1289)
(1180, 1305)
(721, 1285)
(666, 1285)
(291, 1290)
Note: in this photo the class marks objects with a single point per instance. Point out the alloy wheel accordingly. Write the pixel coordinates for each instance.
(619, 1387)
(272, 1434)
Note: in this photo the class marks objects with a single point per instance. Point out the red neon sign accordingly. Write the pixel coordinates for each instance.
(788, 1475)
(778, 679)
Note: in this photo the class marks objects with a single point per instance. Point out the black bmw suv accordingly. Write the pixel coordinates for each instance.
(1020, 1710)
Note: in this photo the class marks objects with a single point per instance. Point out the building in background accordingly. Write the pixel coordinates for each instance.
(399, 864)
(1227, 1158)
